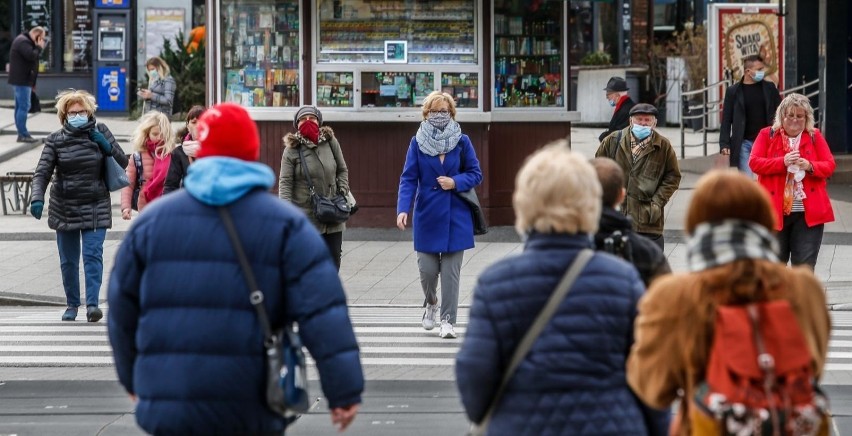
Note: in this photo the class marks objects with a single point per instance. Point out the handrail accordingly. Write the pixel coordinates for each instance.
(803, 86)
(706, 88)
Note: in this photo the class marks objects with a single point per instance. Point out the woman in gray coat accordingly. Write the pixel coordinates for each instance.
(327, 169)
(80, 206)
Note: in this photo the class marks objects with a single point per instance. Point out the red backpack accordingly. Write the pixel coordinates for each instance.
(760, 378)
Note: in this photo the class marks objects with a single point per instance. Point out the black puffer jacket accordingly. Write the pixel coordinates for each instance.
(79, 199)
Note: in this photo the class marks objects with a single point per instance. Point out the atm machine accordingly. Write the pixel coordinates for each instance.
(112, 55)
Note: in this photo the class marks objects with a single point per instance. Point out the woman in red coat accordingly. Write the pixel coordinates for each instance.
(792, 162)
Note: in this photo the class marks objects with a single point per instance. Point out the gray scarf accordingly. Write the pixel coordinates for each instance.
(434, 141)
(715, 244)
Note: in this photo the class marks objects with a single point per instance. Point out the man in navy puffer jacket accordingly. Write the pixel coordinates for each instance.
(572, 381)
(186, 340)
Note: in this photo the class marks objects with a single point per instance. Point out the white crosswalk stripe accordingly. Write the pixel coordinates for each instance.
(35, 337)
(388, 336)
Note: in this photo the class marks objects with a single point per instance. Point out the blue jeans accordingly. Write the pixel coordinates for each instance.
(798, 243)
(745, 153)
(93, 263)
(22, 108)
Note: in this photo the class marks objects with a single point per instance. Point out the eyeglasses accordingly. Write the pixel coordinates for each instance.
(74, 114)
(795, 117)
(442, 112)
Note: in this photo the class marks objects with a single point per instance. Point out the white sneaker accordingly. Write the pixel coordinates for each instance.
(447, 331)
(429, 316)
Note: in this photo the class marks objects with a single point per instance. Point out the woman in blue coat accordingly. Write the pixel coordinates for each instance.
(440, 162)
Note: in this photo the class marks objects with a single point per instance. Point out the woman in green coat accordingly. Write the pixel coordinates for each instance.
(327, 169)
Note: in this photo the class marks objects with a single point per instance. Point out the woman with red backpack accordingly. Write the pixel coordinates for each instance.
(741, 337)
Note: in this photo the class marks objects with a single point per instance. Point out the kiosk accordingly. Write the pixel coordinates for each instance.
(112, 53)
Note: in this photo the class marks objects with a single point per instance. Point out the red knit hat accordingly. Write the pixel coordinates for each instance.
(227, 130)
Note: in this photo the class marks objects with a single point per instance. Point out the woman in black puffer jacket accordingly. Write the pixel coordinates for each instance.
(80, 206)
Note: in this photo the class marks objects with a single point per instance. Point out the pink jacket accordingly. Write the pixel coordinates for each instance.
(147, 169)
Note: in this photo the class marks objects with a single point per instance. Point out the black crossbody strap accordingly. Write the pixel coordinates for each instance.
(256, 295)
(305, 170)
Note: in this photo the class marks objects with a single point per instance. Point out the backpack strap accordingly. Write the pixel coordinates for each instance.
(137, 162)
(617, 144)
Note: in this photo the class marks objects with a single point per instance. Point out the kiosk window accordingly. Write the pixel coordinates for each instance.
(260, 52)
(40, 13)
(395, 89)
(77, 45)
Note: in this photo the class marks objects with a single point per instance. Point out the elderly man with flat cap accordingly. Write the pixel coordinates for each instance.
(616, 94)
(651, 173)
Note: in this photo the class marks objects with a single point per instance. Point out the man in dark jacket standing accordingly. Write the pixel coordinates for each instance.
(186, 340)
(643, 253)
(616, 94)
(650, 168)
(23, 72)
(749, 106)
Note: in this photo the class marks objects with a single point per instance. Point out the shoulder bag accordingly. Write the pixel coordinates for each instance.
(533, 333)
(286, 369)
(469, 197)
(334, 210)
(114, 175)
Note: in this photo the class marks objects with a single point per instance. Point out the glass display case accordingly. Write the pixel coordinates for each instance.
(395, 89)
(334, 89)
(528, 55)
(464, 87)
(437, 31)
(260, 52)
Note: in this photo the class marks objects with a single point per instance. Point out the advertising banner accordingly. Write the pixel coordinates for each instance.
(112, 92)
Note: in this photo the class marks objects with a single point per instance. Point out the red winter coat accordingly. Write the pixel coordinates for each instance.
(767, 161)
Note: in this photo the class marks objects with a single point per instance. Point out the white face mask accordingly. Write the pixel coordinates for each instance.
(153, 74)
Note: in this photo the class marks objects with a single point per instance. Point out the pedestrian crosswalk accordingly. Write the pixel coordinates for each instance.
(388, 336)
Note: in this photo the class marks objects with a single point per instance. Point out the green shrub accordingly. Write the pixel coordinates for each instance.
(596, 58)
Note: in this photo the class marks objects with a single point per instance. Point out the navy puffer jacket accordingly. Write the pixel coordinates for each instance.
(186, 339)
(572, 381)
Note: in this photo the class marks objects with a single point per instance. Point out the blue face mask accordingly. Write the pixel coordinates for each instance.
(78, 120)
(611, 103)
(758, 75)
(641, 132)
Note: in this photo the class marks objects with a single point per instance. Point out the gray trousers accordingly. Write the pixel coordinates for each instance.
(448, 265)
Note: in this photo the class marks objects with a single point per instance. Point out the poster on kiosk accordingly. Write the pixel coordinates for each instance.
(112, 53)
(740, 30)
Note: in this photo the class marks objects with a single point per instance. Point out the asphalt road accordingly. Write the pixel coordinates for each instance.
(411, 408)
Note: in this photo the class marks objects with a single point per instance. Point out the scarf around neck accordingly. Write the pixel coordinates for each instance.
(434, 141)
(715, 244)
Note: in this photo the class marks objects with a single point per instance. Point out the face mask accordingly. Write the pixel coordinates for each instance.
(439, 120)
(611, 102)
(641, 132)
(153, 74)
(78, 120)
(310, 130)
(758, 75)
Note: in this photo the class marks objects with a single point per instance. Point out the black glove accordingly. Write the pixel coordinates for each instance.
(101, 140)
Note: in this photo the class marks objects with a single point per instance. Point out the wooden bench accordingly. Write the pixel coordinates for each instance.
(15, 190)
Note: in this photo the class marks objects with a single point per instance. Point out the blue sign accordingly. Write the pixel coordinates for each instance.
(112, 4)
(112, 92)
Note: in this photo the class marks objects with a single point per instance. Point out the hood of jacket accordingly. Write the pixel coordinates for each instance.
(612, 220)
(217, 181)
(293, 140)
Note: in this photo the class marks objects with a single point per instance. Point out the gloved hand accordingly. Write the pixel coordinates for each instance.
(101, 140)
(36, 208)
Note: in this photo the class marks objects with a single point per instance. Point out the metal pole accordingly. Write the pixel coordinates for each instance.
(705, 96)
(683, 112)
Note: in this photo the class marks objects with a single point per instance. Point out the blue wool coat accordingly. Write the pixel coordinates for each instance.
(442, 221)
(185, 337)
(572, 381)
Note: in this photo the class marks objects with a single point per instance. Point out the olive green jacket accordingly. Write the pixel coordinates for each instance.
(650, 181)
(327, 169)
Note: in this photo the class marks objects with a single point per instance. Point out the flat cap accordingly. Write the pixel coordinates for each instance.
(643, 108)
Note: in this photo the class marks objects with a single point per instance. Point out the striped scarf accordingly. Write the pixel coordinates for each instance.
(434, 141)
(715, 244)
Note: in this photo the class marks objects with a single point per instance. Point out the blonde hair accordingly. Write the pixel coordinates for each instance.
(790, 102)
(557, 191)
(160, 65)
(435, 97)
(148, 122)
(68, 98)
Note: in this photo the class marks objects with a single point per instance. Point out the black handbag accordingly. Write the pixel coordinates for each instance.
(286, 368)
(327, 210)
(35, 103)
(480, 227)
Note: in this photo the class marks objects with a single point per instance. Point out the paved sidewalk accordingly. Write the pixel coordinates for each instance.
(379, 266)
